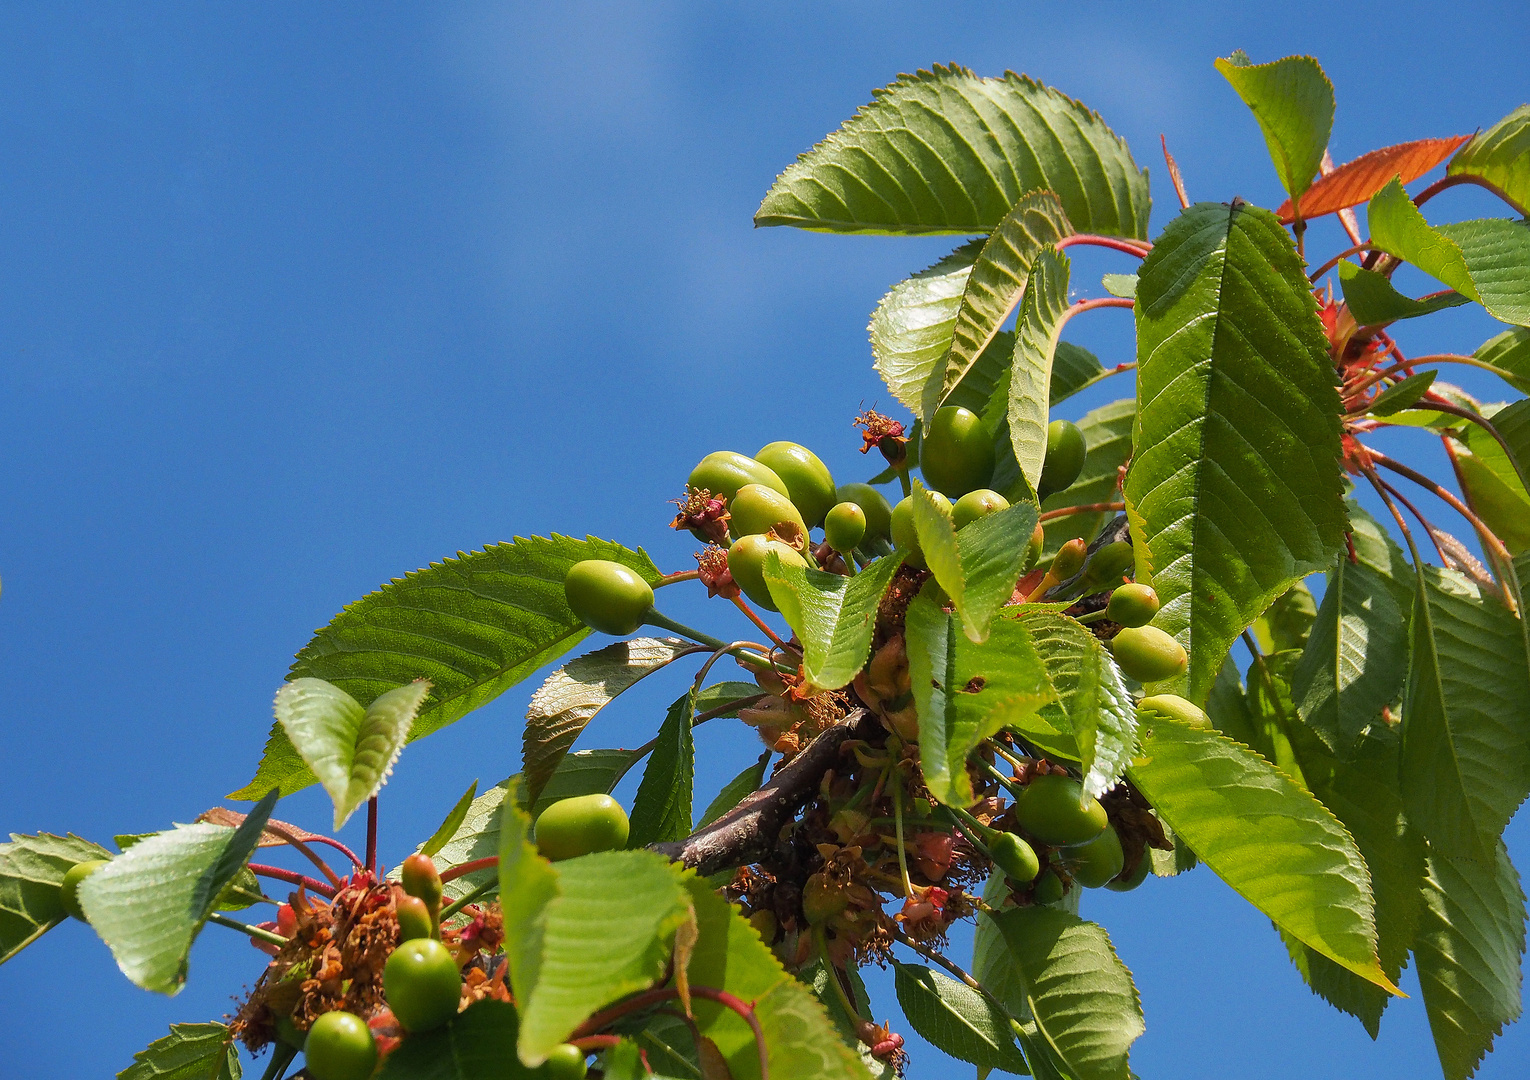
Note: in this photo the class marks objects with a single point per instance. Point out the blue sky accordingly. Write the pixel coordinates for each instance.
(296, 299)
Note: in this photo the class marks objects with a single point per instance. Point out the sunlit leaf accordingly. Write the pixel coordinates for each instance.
(189, 1052)
(1036, 339)
(1501, 156)
(912, 325)
(1293, 101)
(1356, 181)
(978, 566)
(453, 821)
(31, 870)
(832, 615)
(1373, 301)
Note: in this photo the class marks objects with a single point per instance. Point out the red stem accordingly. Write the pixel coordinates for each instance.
(277, 830)
(372, 834)
(469, 867)
(1331, 263)
(1082, 508)
(1138, 248)
(595, 1042)
(758, 622)
(338, 846)
(1460, 178)
(292, 877)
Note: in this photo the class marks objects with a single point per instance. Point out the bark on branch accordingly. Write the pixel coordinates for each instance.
(749, 832)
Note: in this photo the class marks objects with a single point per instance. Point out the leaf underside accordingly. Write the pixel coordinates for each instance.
(189, 1052)
(31, 870)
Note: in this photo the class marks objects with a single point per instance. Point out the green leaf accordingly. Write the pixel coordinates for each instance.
(1122, 285)
(912, 326)
(1373, 300)
(476, 1044)
(1356, 659)
(956, 1019)
(965, 692)
(1399, 228)
(1510, 353)
(1403, 395)
(453, 822)
(587, 772)
(1495, 493)
(978, 567)
(31, 870)
(817, 975)
(661, 810)
(996, 284)
(528, 884)
(1108, 444)
(150, 903)
(1234, 491)
(944, 151)
(1277, 846)
(474, 626)
(1501, 156)
(349, 748)
(189, 1052)
(1286, 623)
(1466, 746)
(1090, 690)
(1081, 995)
(1469, 947)
(1040, 322)
(833, 615)
(1074, 368)
(734, 791)
(1293, 101)
(729, 955)
(577, 691)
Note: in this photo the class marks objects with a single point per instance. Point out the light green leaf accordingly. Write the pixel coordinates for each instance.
(577, 691)
(1373, 300)
(1108, 444)
(189, 1052)
(474, 626)
(1398, 228)
(996, 284)
(528, 884)
(912, 325)
(1469, 947)
(1466, 746)
(1510, 353)
(1234, 491)
(1495, 492)
(1293, 101)
(800, 1038)
(979, 566)
(734, 791)
(476, 1044)
(661, 810)
(31, 870)
(150, 903)
(944, 151)
(1356, 659)
(956, 1019)
(1501, 156)
(349, 748)
(1277, 846)
(1040, 322)
(832, 615)
(1287, 622)
(1122, 285)
(1402, 395)
(453, 822)
(1074, 368)
(965, 692)
(1081, 996)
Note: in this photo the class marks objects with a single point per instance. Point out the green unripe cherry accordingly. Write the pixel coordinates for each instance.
(581, 825)
(724, 472)
(1065, 458)
(422, 984)
(340, 1046)
(904, 536)
(1132, 605)
(746, 563)
(808, 481)
(1014, 857)
(956, 455)
(758, 509)
(1135, 878)
(875, 505)
(844, 526)
(607, 596)
(1048, 889)
(414, 919)
(564, 1062)
(1106, 567)
(1054, 809)
(1033, 549)
(977, 504)
(1094, 863)
(1148, 654)
(419, 877)
(1175, 708)
(69, 888)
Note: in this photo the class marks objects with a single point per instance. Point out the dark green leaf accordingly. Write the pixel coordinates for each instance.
(1404, 394)
(1234, 491)
(189, 1052)
(1373, 301)
(661, 810)
(1036, 338)
(453, 822)
(1501, 156)
(1495, 493)
(476, 1044)
(1073, 369)
(734, 790)
(1293, 101)
(957, 1019)
(31, 870)
(832, 615)
(1509, 352)
(944, 151)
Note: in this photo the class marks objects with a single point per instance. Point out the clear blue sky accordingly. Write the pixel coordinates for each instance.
(296, 298)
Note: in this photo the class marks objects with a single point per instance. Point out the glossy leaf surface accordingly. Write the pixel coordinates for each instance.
(832, 615)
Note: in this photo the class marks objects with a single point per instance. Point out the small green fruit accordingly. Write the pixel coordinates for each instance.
(746, 562)
(1065, 458)
(1014, 857)
(340, 1047)
(875, 505)
(1048, 889)
(422, 984)
(288, 1032)
(1175, 708)
(419, 877)
(1106, 567)
(724, 472)
(1148, 654)
(1135, 878)
(414, 919)
(956, 455)
(607, 596)
(1068, 560)
(1054, 809)
(1033, 549)
(808, 481)
(1132, 605)
(758, 509)
(844, 526)
(904, 536)
(1094, 863)
(69, 888)
(565, 1062)
(581, 825)
(977, 504)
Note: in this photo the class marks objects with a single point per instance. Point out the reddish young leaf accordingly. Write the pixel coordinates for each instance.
(1356, 181)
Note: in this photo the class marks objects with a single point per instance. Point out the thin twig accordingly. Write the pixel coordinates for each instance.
(256, 932)
(292, 877)
(678, 575)
(1174, 174)
(290, 838)
(1114, 243)
(1340, 257)
(1485, 424)
(1437, 358)
(1402, 522)
(1489, 537)
(338, 846)
(749, 613)
(1082, 508)
(1428, 525)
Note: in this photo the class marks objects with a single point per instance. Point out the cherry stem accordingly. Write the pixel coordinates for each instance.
(1402, 522)
(1422, 520)
(750, 614)
(833, 972)
(372, 834)
(1174, 174)
(745, 1010)
(341, 848)
(290, 838)
(589, 1043)
(1082, 508)
(460, 869)
(1461, 178)
(664, 622)
(256, 932)
(1437, 358)
(1081, 306)
(1340, 257)
(678, 575)
(292, 877)
(1484, 423)
(1130, 247)
(897, 794)
(457, 905)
